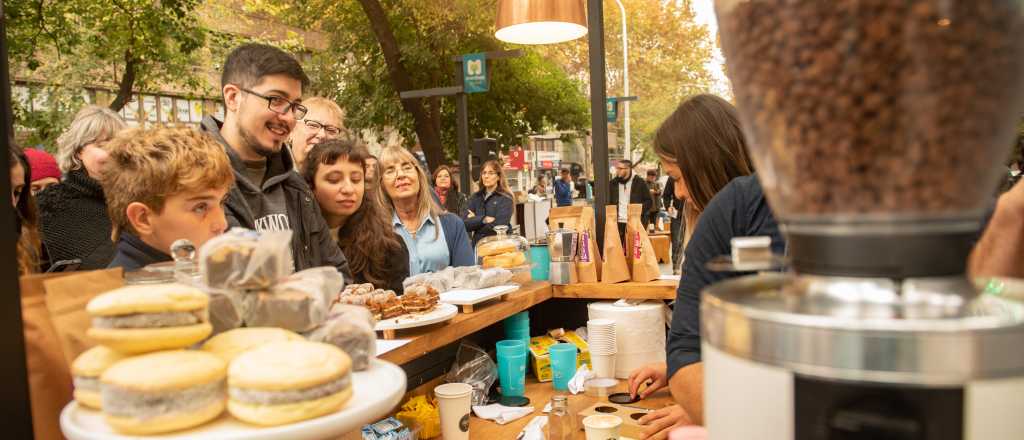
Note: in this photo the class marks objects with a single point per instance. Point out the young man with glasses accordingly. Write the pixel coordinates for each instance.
(262, 90)
(324, 120)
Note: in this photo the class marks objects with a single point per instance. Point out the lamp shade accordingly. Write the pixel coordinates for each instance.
(541, 21)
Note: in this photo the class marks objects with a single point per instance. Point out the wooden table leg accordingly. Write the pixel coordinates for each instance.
(389, 334)
(468, 308)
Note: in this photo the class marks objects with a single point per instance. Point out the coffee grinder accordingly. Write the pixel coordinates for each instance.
(878, 129)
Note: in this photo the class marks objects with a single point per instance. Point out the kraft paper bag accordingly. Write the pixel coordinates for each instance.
(66, 298)
(641, 252)
(49, 374)
(615, 269)
(581, 220)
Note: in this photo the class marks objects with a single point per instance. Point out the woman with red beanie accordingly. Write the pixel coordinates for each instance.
(45, 171)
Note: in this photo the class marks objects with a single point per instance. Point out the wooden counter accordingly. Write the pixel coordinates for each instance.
(657, 289)
(429, 338)
(540, 394)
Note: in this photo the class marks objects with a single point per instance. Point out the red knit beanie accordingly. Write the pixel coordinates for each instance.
(43, 165)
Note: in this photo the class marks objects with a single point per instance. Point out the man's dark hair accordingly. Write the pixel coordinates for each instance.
(626, 162)
(652, 173)
(249, 63)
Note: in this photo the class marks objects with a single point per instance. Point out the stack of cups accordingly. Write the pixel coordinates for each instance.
(511, 354)
(602, 343)
(517, 327)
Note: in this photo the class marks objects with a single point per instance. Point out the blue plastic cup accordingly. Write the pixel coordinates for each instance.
(541, 258)
(563, 364)
(511, 367)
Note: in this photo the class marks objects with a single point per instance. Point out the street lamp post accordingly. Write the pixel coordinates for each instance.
(628, 153)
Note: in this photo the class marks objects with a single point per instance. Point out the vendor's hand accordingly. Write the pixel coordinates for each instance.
(656, 374)
(470, 214)
(488, 219)
(658, 424)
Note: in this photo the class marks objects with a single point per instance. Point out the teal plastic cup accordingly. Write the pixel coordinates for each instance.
(563, 364)
(541, 258)
(510, 346)
(511, 367)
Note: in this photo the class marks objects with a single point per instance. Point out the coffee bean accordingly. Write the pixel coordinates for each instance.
(877, 106)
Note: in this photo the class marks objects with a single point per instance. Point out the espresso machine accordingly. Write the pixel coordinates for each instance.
(878, 130)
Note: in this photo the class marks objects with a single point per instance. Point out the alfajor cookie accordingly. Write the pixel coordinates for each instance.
(164, 391)
(87, 369)
(230, 344)
(285, 382)
(145, 318)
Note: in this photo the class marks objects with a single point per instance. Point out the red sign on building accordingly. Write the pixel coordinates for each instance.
(516, 158)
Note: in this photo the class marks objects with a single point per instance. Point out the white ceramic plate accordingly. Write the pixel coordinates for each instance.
(376, 392)
(441, 313)
(466, 297)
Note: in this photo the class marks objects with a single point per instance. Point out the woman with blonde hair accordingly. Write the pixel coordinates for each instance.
(493, 205)
(73, 214)
(435, 239)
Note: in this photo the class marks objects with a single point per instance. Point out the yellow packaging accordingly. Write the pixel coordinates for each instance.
(539, 353)
(419, 412)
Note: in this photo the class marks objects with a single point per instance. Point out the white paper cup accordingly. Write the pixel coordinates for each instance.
(454, 401)
(601, 427)
(604, 364)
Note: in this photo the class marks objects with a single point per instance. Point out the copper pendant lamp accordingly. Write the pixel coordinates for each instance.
(541, 21)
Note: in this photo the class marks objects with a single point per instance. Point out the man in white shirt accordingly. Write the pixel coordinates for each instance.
(625, 189)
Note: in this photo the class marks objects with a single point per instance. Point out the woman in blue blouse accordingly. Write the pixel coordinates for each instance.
(435, 239)
(492, 205)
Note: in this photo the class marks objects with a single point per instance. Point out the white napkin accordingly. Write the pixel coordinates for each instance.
(576, 384)
(501, 414)
(534, 430)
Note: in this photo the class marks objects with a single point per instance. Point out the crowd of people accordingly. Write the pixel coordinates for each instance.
(118, 197)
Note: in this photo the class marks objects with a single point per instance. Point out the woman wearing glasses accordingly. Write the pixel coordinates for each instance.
(324, 120)
(435, 239)
(492, 205)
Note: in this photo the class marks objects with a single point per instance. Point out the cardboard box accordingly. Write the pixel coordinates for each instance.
(539, 353)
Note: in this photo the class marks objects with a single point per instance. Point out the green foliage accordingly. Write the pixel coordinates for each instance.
(668, 56)
(527, 95)
(71, 44)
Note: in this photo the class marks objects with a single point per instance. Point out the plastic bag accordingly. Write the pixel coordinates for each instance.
(244, 259)
(349, 328)
(225, 309)
(474, 366)
(420, 413)
(330, 280)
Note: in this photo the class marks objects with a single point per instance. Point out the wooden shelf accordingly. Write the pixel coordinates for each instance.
(657, 289)
(427, 339)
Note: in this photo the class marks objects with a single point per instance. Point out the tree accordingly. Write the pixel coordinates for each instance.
(365, 67)
(668, 56)
(126, 44)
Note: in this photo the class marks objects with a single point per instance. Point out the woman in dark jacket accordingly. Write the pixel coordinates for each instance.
(447, 190)
(492, 205)
(73, 213)
(359, 223)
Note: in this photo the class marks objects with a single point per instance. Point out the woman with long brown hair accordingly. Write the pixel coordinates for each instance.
(29, 247)
(358, 221)
(493, 205)
(701, 146)
(447, 190)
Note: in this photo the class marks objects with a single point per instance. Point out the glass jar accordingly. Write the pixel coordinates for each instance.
(504, 250)
(183, 269)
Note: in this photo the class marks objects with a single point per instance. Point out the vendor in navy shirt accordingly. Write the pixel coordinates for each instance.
(492, 205)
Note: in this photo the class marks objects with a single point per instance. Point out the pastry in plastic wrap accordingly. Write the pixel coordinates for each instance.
(294, 310)
(225, 310)
(325, 279)
(437, 280)
(493, 277)
(244, 259)
(350, 328)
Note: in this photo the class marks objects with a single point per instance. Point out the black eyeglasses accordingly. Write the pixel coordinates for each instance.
(316, 126)
(280, 105)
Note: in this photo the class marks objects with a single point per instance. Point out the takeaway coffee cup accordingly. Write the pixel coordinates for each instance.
(454, 401)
